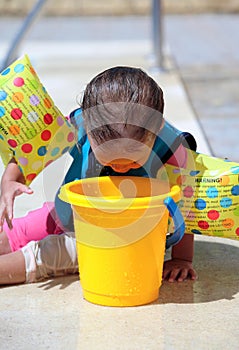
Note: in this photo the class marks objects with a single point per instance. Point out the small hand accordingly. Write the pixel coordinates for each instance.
(9, 192)
(178, 270)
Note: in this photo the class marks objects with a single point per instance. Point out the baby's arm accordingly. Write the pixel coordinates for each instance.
(180, 266)
(12, 185)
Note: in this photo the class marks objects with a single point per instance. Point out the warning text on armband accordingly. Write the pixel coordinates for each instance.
(208, 179)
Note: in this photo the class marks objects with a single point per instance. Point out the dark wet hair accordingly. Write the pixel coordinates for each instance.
(122, 100)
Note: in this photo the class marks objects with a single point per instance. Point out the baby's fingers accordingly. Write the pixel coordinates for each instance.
(173, 276)
(23, 189)
(183, 275)
(1, 224)
(2, 219)
(7, 214)
(2, 214)
(193, 275)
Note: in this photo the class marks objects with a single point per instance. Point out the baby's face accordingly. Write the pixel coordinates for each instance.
(123, 154)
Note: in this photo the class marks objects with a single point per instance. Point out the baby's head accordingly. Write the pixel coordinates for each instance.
(123, 113)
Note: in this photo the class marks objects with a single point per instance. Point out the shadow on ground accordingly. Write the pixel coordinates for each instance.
(217, 265)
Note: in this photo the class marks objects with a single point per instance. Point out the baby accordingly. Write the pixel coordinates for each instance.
(121, 131)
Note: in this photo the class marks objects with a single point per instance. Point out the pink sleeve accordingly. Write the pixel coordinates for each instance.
(179, 158)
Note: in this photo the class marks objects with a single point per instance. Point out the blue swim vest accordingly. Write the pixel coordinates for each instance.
(85, 164)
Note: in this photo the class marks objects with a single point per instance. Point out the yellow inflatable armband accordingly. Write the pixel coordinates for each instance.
(210, 194)
(32, 129)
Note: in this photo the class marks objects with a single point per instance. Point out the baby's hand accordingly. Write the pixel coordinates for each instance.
(178, 270)
(10, 190)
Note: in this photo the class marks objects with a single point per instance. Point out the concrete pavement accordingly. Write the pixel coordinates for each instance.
(52, 314)
(205, 50)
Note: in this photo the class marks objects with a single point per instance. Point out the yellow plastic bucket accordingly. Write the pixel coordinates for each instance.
(121, 226)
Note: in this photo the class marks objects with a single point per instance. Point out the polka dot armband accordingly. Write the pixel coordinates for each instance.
(210, 194)
(32, 129)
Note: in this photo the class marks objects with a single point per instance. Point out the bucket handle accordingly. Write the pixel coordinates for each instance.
(178, 222)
